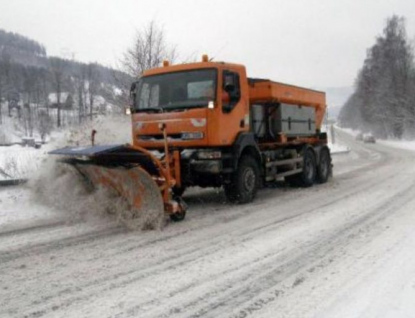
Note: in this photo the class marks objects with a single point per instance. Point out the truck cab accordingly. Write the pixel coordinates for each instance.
(202, 104)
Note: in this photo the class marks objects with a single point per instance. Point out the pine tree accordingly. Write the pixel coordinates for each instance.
(384, 93)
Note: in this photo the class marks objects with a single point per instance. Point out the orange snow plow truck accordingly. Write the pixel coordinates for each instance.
(208, 124)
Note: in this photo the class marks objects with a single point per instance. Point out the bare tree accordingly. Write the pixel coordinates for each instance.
(30, 78)
(148, 51)
(28, 120)
(2, 88)
(57, 68)
(7, 77)
(384, 98)
(93, 85)
(80, 79)
(44, 124)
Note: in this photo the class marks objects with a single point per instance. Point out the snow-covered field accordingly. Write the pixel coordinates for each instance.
(337, 148)
(20, 162)
(342, 249)
(24, 162)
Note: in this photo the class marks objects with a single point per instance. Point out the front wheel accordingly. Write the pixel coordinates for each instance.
(324, 166)
(244, 182)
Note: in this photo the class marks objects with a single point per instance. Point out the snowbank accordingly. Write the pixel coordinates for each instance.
(114, 129)
(20, 162)
(338, 148)
(23, 162)
(401, 144)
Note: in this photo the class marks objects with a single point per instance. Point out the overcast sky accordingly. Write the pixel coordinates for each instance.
(315, 43)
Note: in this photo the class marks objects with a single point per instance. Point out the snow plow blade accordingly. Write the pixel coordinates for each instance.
(134, 173)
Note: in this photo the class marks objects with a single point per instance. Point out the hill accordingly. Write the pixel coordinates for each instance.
(41, 93)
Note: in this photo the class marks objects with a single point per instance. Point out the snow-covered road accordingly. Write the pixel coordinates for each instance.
(342, 249)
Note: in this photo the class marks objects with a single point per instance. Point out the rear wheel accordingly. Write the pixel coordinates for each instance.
(308, 176)
(244, 182)
(324, 166)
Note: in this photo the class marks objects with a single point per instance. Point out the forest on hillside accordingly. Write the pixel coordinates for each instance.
(383, 102)
(51, 91)
(40, 94)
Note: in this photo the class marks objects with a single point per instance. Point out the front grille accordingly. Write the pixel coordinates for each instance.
(158, 137)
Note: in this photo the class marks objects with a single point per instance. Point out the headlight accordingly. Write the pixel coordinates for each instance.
(192, 135)
(208, 154)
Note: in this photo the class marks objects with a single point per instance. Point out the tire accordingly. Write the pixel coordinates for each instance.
(244, 182)
(307, 177)
(178, 217)
(294, 180)
(324, 166)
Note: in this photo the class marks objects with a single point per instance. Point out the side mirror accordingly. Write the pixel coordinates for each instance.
(131, 100)
(132, 94)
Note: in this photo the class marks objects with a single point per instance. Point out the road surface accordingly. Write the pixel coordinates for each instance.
(342, 249)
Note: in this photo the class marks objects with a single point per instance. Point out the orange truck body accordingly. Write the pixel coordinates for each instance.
(283, 93)
(221, 129)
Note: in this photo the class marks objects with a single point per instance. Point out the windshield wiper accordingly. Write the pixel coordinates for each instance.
(185, 106)
(149, 109)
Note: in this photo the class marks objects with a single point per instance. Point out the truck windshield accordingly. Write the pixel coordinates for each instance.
(177, 90)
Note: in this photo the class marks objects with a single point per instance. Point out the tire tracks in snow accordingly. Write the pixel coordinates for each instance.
(272, 281)
(34, 228)
(204, 246)
(48, 247)
(180, 259)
